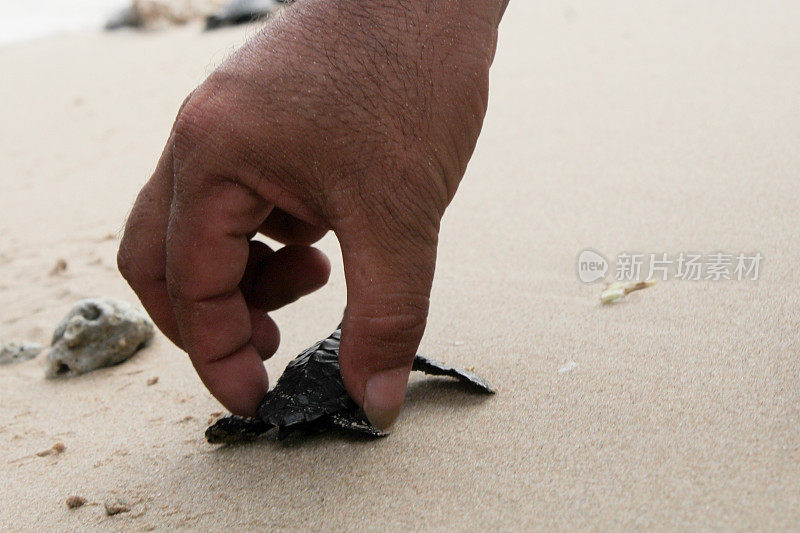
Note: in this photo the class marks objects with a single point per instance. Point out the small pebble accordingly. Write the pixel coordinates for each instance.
(60, 266)
(572, 365)
(152, 381)
(114, 507)
(73, 502)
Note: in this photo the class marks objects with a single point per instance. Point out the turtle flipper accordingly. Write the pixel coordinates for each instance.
(435, 368)
(234, 429)
(356, 422)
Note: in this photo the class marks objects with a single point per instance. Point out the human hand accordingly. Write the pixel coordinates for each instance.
(356, 118)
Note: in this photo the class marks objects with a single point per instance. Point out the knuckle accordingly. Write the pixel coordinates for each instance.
(194, 123)
(124, 264)
(393, 328)
(186, 101)
(402, 210)
(128, 265)
(180, 290)
(201, 121)
(406, 222)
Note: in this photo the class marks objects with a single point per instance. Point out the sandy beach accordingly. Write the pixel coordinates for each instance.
(640, 126)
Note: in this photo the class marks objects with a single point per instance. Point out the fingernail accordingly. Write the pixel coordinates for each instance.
(384, 395)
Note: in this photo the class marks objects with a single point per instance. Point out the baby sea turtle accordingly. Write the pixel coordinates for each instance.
(310, 397)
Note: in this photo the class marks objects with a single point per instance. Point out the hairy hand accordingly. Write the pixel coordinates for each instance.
(358, 118)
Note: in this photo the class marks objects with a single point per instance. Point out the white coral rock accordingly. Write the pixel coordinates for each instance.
(96, 333)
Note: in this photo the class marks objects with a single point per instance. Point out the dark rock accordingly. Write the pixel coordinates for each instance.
(242, 12)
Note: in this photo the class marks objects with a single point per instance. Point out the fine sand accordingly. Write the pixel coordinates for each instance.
(638, 126)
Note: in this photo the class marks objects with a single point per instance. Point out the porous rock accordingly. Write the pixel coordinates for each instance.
(14, 352)
(96, 333)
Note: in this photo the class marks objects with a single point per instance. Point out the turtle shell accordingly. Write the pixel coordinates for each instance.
(310, 388)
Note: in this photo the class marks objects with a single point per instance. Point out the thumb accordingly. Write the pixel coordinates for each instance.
(389, 272)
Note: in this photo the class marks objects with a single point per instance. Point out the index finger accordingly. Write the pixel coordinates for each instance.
(207, 249)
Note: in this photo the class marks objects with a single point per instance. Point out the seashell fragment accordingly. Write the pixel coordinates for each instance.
(619, 289)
